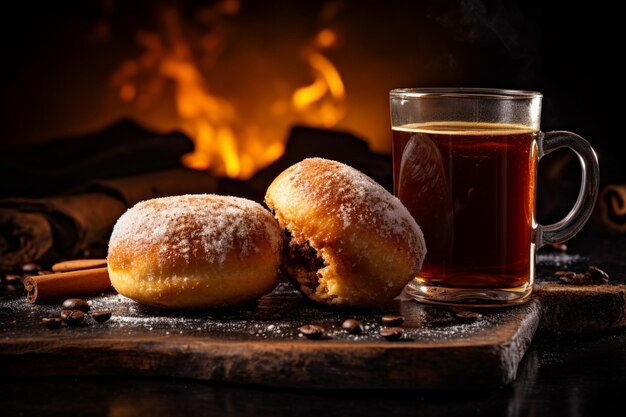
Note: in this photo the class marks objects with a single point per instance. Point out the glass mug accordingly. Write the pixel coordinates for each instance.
(465, 166)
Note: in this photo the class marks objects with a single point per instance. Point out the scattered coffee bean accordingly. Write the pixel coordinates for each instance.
(597, 275)
(352, 326)
(391, 333)
(576, 279)
(101, 316)
(51, 322)
(392, 320)
(568, 277)
(465, 316)
(73, 317)
(75, 304)
(312, 331)
(31, 268)
(593, 275)
(12, 278)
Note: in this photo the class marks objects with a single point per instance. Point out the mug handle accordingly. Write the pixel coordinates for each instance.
(571, 224)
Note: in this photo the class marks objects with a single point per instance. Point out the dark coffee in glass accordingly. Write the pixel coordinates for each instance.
(470, 182)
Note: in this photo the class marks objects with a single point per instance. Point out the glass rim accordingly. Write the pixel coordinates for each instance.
(482, 93)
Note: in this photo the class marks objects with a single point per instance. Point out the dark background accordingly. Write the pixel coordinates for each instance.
(56, 68)
(54, 84)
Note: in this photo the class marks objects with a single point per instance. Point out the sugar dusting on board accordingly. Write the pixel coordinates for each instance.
(264, 320)
(427, 326)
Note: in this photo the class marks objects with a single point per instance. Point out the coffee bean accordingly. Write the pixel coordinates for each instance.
(312, 331)
(576, 279)
(43, 272)
(51, 322)
(31, 267)
(391, 333)
(352, 326)
(597, 275)
(73, 317)
(392, 320)
(101, 316)
(593, 275)
(571, 277)
(12, 278)
(465, 316)
(75, 304)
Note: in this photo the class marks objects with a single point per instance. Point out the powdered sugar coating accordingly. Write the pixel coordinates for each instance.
(193, 228)
(354, 198)
(351, 242)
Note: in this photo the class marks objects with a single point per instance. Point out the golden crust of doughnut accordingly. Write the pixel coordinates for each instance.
(369, 243)
(195, 251)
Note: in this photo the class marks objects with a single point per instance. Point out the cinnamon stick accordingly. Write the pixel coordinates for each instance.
(66, 284)
(78, 264)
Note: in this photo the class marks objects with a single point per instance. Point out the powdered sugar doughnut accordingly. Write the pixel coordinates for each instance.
(351, 242)
(195, 251)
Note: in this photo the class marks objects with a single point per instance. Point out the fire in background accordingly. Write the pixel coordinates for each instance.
(228, 139)
(81, 65)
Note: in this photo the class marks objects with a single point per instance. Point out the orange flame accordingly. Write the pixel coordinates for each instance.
(222, 142)
(327, 93)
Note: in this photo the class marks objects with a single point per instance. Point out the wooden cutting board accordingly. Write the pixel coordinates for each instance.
(260, 344)
(572, 309)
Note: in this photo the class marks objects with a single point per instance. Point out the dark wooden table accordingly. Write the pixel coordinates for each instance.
(573, 377)
(579, 375)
